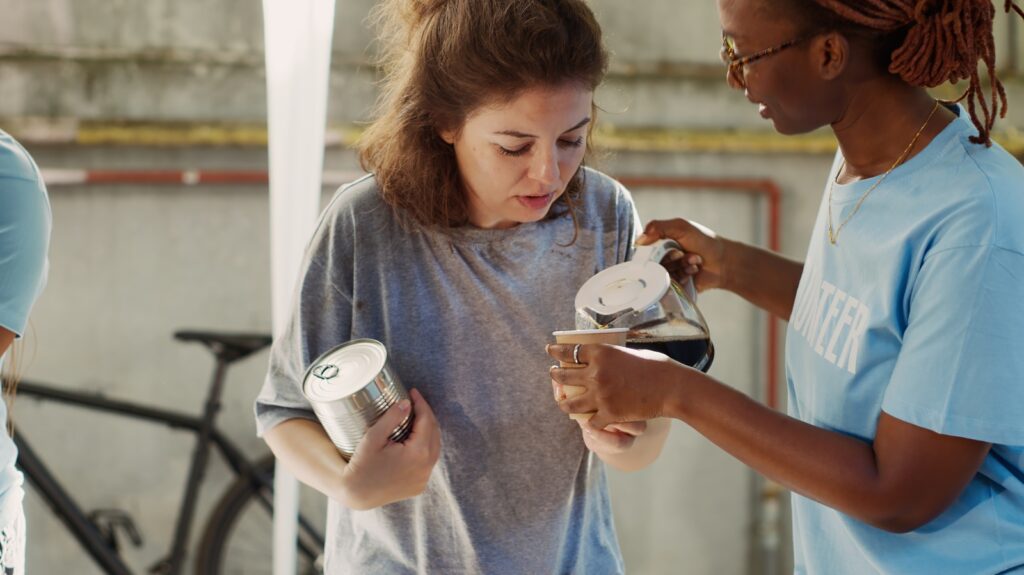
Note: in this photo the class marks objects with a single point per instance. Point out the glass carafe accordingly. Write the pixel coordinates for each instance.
(660, 313)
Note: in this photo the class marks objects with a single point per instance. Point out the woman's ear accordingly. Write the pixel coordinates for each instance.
(448, 136)
(832, 54)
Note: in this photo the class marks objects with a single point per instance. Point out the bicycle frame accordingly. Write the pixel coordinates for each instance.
(71, 513)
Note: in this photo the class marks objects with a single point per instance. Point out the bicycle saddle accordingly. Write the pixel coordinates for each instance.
(233, 345)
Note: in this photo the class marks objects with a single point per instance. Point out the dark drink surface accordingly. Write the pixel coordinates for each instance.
(696, 353)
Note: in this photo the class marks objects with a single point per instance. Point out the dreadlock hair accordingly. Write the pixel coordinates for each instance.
(928, 43)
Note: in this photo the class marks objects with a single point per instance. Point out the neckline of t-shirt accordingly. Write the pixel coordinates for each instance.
(852, 192)
(470, 234)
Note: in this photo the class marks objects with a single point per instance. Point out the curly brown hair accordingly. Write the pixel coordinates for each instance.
(443, 59)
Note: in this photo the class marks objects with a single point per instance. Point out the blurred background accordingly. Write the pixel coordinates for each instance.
(148, 119)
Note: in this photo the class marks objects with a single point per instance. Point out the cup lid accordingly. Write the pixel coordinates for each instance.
(344, 370)
(601, 331)
(630, 285)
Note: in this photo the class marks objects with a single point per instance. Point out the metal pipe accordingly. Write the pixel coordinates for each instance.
(79, 177)
(70, 131)
(768, 510)
(155, 134)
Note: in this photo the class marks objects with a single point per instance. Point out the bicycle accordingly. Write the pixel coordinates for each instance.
(238, 532)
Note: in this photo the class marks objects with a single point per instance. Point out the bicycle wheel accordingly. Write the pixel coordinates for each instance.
(238, 538)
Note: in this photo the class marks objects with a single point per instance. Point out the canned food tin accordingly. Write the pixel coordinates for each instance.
(350, 387)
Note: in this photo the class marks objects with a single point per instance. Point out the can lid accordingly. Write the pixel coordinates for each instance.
(630, 285)
(344, 370)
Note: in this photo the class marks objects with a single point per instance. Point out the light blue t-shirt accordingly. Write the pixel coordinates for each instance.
(919, 312)
(24, 239)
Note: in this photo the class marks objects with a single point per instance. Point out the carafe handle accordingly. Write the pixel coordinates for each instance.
(656, 252)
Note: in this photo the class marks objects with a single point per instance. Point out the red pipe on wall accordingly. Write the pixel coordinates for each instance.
(176, 177)
(766, 188)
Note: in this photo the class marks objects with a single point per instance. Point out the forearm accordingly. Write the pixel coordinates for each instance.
(645, 449)
(764, 278)
(305, 450)
(831, 468)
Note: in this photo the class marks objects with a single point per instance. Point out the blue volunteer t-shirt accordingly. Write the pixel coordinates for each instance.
(24, 239)
(919, 312)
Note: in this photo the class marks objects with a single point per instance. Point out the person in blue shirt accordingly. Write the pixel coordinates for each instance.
(904, 442)
(24, 240)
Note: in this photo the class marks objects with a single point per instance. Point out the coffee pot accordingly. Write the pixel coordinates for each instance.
(660, 313)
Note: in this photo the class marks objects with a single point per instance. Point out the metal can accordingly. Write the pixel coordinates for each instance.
(350, 387)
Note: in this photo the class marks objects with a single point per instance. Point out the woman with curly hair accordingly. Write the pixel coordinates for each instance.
(461, 253)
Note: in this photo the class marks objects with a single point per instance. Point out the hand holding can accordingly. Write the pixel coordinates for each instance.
(350, 387)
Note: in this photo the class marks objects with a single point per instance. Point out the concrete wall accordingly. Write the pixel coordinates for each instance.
(132, 263)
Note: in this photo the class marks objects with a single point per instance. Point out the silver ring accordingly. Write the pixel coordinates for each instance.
(576, 353)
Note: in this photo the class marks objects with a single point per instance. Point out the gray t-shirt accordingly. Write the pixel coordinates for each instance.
(465, 314)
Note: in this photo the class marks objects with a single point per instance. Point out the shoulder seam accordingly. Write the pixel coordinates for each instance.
(989, 246)
(993, 204)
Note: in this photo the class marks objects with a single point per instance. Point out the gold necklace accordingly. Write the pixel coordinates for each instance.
(833, 237)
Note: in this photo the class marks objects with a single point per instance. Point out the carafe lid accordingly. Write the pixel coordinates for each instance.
(632, 285)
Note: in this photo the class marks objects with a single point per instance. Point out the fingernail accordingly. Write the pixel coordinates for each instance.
(404, 405)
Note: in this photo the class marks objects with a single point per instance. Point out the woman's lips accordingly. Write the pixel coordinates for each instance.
(535, 202)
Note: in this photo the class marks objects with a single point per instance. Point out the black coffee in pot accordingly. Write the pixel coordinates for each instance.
(696, 352)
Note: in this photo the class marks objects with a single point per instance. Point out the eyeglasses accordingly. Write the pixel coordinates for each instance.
(736, 63)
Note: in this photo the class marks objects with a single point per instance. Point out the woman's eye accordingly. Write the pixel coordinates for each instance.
(514, 153)
(525, 149)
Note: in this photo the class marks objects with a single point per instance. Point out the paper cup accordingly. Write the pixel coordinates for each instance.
(612, 336)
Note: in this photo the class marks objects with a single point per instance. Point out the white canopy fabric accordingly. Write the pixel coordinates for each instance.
(297, 40)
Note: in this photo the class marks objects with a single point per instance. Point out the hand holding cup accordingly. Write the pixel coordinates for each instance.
(612, 336)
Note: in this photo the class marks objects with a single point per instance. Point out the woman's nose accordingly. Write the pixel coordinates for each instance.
(544, 167)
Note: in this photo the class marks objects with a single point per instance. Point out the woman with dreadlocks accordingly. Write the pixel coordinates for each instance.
(904, 443)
